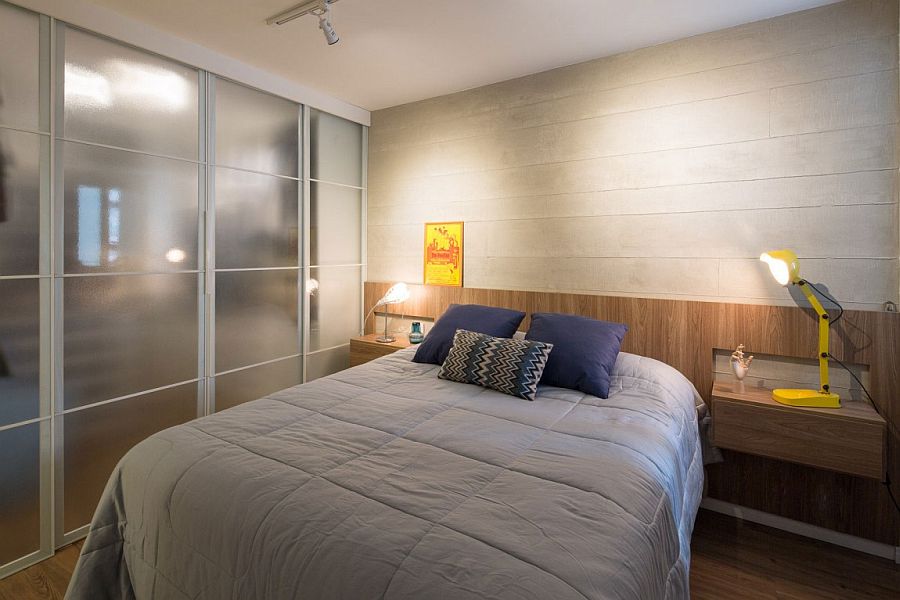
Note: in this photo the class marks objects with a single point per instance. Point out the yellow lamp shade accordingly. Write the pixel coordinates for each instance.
(783, 264)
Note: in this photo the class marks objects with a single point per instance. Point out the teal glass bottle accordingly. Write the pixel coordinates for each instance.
(415, 333)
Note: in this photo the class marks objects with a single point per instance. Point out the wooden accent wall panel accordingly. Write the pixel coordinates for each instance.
(683, 334)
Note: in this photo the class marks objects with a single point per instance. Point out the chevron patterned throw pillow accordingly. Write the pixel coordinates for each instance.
(510, 366)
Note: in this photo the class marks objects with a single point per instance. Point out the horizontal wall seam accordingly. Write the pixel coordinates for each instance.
(649, 214)
(591, 91)
(879, 128)
(749, 92)
(659, 187)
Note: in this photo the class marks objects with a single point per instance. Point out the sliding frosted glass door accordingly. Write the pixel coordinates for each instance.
(24, 288)
(168, 248)
(336, 221)
(256, 250)
(129, 266)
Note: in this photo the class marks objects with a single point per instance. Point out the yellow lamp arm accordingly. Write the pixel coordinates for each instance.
(824, 328)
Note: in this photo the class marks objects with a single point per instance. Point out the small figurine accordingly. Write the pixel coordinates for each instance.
(740, 364)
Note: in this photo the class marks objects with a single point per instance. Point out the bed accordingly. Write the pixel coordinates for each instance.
(384, 481)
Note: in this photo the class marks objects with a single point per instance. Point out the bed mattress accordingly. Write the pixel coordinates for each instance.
(383, 481)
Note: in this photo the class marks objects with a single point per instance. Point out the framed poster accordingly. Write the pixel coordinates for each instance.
(444, 254)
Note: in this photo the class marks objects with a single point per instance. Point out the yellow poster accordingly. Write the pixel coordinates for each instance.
(444, 254)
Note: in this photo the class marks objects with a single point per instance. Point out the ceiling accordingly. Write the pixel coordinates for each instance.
(397, 51)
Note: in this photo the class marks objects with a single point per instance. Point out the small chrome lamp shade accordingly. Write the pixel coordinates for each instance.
(398, 293)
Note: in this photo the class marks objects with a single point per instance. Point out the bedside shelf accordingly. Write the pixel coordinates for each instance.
(364, 348)
(849, 439)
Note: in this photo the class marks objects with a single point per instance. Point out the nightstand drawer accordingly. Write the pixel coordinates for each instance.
(365, 348)
(848, 440)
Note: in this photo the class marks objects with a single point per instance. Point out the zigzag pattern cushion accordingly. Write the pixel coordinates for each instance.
(510, 366)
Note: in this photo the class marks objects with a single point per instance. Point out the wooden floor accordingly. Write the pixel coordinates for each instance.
(732, 560)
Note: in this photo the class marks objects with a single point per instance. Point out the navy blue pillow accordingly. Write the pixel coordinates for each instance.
(584, 351)
(496, 322)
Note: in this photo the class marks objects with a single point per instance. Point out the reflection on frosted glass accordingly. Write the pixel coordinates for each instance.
(20, 482)
(96, 438)
(253, 383)
(256, 220)
(327, 362)
(335, 225)
(124, 334)
(19, 68)
(335, 152)
(121, 96)
(88, 237)
(20, 190)
(19, 355)
(255, 130)
(334, 306)
(128, 212)
(256, 317)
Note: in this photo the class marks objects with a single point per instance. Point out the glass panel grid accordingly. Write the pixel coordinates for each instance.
(20, 482)
(121, 96)
(336, 151)
(19, 68)
(124, 334)
(96, 438)
(256, 131)
(256, 317)
(256, 220)
(335, 306)
(249, 384)
(335, 224)
(128, 212)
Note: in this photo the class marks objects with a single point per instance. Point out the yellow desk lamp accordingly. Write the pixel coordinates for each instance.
(786, 270)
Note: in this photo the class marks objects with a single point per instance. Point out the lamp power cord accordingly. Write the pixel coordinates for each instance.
(886, 480)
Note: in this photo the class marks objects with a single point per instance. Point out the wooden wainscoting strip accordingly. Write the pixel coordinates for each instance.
(683, 334)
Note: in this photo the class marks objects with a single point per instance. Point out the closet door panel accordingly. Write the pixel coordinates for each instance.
(326, 362)
(124, 334)
(256, 220)
(336, 154)
(121, 96)
(242, 386)
(19, 350)
(334, 306)
(128, 212)
(256, 317)
(19, 68)
(20, 195)
(256, 131)
(20, 491)
(97, 437)
(335, 228)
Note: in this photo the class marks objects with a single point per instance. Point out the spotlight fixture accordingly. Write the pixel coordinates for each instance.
(319, 8)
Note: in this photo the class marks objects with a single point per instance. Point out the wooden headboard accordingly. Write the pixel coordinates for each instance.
(683, 334)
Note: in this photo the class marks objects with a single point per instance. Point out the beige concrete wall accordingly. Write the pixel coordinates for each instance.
(665, 171)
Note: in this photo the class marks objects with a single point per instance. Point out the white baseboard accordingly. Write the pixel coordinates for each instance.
(805, 529)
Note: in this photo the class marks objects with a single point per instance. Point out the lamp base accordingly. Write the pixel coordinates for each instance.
(385, 339)
(810, 398)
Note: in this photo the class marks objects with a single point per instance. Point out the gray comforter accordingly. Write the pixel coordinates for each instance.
(384, 481)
